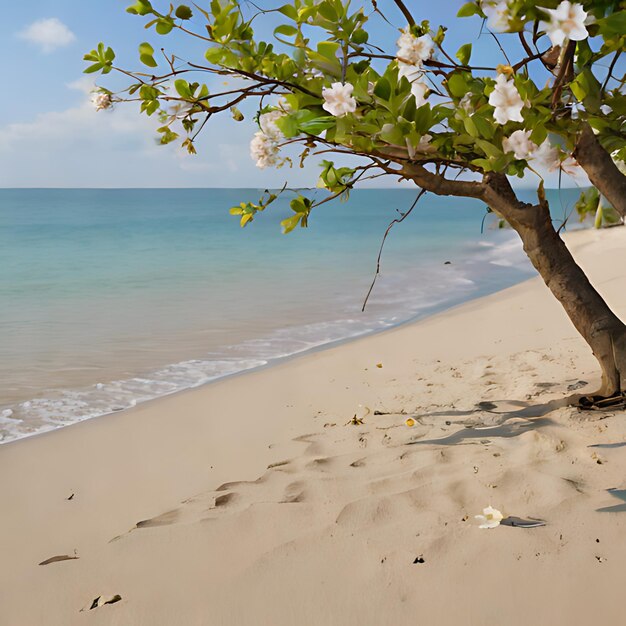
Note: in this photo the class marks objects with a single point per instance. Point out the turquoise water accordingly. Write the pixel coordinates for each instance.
(113, 297)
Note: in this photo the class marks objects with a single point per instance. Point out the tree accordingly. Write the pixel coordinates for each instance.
(418, 112)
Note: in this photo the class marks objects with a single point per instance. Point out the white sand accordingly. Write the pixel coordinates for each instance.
(328, 537)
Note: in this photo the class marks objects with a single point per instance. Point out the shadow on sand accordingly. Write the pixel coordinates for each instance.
(617, 508)
(534, 413)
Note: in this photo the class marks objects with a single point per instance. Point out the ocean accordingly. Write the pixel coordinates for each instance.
(109, 298)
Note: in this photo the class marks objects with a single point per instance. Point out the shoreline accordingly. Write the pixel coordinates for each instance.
(322, 514)
(430, 311)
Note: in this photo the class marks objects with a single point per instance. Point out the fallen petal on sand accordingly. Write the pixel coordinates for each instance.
(490, 518)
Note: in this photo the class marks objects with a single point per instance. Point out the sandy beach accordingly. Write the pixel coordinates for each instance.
(254, 500)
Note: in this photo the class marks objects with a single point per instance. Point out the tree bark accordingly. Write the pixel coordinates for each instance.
(595, 321)
(602, 171)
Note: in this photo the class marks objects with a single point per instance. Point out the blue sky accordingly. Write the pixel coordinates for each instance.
(50, 136)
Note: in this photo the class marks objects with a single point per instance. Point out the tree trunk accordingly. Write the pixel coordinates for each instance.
(597, 324)
(592, 317)
(602, 171)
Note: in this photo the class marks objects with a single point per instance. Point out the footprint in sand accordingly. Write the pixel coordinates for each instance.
(294, 492)
(224, 499)
(165, 519)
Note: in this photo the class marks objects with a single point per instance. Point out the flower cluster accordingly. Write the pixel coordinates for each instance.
(264, 147)
(101, 100)
(545, 155)
(567, 21)
(412, 52)
(338, 99)
(506, 101)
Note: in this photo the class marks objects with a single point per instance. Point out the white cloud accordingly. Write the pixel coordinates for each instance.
(49, 34)
(79, 147)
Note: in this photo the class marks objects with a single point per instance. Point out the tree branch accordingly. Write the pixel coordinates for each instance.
(397, 220)
(407, 14)
(565, 73)
(601, 169)
(611, 68)
(441, 186)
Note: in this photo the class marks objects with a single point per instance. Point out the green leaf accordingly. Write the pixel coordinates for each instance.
(288, 126)
(328, 49)
(468, 9)
(183, 89)
(587, 88)
(360, 36)
(236, 113)
(382, 89)
(214, 55)
(147, 60)
(423, 118)
(489, 149)
(290, 11)
(183, 12)
(458, 84)
(327, 10)
(96, 67)
(141, 7)
(145, 54)
(290, 223)
(464, 53)
(286, 29)
(470, 127)
(484, 126)
(164, 26)
(614, 24)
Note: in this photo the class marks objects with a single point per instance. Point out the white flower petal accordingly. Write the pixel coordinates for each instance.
(567, 21)
(498, 15)
(520, 144)
(338, 100)
(264, 150)
(506, 101)
(414, 50)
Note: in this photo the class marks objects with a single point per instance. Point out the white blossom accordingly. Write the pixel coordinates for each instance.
(567, 21)
(178, 111)
(101, 100)
(414, 50)
(498, 15)
(506, 100)
(606, 109)
(424, 143)
(267, 122)
(419, 89)
(547, 155)
(490, 518)
(414, 75)
(520, 144)
(338, 100)
(410, 72)
(264, 150)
